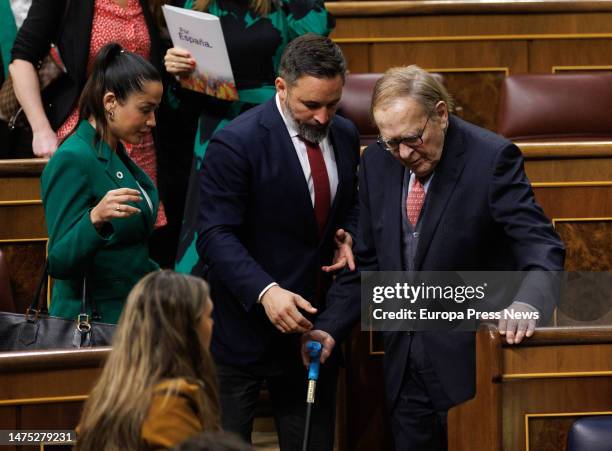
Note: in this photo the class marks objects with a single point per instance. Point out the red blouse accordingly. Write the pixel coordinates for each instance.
(126, 26)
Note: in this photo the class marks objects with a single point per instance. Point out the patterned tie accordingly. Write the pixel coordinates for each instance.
(320, 180)
(414, 201)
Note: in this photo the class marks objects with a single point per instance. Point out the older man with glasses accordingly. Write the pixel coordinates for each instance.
(439, 194)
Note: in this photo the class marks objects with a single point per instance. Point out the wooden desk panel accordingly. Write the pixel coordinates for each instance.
(22, 221)
(23, 234)
(531, 417)
(528, 394)
(19, 188)
(46, 389)
(520, 366)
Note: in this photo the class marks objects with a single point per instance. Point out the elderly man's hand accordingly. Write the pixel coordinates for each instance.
(522, 325)
(343, 255)
(327, 345)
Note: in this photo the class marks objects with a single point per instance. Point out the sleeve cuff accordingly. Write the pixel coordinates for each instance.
(105, 232)
(273, 284)
(535, 309)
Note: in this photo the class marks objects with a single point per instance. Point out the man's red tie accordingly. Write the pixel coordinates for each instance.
(320, 181)
(414, 201)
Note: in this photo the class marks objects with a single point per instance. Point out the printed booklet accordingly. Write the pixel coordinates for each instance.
(201, 34)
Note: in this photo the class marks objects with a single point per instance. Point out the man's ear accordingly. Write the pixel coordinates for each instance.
(441, 110)
(281, 88)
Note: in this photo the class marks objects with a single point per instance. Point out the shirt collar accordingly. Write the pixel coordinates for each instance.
(292, 131)
(426, 182)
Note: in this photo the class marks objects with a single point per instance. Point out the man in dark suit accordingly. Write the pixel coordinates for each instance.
(277, 212)
(439, 194)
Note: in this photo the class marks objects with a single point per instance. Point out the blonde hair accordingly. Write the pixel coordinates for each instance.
(410, 81)
(156, 338)
(261, 7)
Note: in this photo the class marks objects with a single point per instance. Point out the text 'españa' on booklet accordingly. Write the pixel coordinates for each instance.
(200, 33)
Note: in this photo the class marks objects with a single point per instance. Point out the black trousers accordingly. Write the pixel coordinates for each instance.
(418, 417)
(287, 384)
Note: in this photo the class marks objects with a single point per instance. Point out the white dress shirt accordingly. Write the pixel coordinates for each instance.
(300, 150)
(302, 154)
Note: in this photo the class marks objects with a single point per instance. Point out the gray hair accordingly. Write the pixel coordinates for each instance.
(410, 81)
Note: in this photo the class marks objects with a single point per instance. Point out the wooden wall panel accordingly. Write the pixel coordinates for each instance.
(476, 94)
(51, 416)
(569, 170)
(473, 71)
(357, 57)
(586, 298)
(547, 433)
(22, 222)
(504, 26)
(540, 359)
(8, 421)
(564, 201)
(23, 234)
(457, 35)
(25, 261)
(588, 243)
(18, 188)
(544, 55)
(451, 55)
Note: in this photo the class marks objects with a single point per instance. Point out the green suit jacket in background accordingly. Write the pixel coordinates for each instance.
(73, 182)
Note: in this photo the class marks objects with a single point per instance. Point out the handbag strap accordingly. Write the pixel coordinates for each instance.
(39, 302)
(87, 303)
(37, 305)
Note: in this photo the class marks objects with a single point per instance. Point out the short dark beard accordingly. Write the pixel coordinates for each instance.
(312, 133)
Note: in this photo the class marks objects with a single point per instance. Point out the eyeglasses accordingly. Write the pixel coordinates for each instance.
(412, 141)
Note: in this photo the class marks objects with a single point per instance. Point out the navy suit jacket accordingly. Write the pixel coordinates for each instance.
(480, 214)
(257, 226)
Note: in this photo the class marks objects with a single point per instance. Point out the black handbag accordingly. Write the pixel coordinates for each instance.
(37, 330)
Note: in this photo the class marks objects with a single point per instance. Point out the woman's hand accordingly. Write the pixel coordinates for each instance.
(179, 62)
(27, 90)
(114, 205)
(44, 142)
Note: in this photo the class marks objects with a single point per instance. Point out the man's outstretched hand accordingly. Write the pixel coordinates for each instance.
(281, 307)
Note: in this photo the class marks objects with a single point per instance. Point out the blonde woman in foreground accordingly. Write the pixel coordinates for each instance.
(159, 385)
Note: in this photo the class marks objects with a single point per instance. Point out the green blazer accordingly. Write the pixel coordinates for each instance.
(73, 182)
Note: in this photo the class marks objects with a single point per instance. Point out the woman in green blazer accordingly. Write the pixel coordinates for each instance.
(99, 206)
